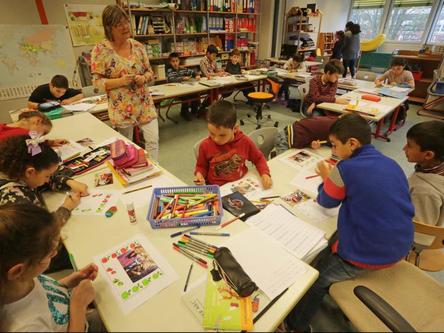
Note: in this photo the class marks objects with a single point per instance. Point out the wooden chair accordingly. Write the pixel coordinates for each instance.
(401, 298)
(427, 252)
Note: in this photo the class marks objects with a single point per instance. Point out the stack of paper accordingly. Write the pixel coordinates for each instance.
(297, 236)
(79, 107)
(265, 261)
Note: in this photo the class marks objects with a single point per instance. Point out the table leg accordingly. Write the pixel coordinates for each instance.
(377, 134)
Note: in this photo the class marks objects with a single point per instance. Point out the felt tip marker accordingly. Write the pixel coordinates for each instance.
(223, 234)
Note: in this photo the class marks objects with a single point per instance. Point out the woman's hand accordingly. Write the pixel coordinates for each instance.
(140, 80)
(126, 79)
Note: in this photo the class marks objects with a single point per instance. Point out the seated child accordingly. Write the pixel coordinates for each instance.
(339, 44)
(175, 73)
(57, 90)
(234, 67)
(323, 89)
(303, 133)
(223, 154)
(425, 147)
(208, 65)
(30, 121)
(375, 227)
(25, 166)
(32, 302)
(296, 63)
(397, 75)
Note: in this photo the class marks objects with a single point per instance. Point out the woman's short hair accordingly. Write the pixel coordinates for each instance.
(111, 17)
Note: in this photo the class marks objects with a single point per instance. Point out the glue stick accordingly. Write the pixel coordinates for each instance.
(131, 213)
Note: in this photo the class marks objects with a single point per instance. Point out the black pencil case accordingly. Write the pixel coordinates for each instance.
(227, 268)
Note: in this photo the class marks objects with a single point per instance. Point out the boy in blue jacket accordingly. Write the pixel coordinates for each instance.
(375, 228)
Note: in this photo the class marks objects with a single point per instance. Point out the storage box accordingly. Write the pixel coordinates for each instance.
(417, 75)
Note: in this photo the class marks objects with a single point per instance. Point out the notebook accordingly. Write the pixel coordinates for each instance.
(237, 204)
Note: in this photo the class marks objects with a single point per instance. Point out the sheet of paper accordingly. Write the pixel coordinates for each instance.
(70, 150)
(97, 202)
(312, 211)
(79, 107)
(135, 271)
(300, 158)
(297, 236)
(374, 91)
(267, 263)
(307, 180)
(250, 187)
(400, 89)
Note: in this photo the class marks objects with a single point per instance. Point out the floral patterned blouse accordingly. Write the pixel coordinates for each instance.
(15, 191)
(127, 105)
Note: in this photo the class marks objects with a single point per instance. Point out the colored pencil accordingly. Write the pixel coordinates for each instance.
(271, 197)
(190, 256)
(268, 306)
(137, 189)
(223, 234)
(223, 225)
(184, 231)
(310, 177)
(188, 278)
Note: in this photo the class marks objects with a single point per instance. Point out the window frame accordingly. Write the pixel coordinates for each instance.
(388, 7)
(434, 23)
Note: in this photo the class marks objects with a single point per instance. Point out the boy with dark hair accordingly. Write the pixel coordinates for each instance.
(233, 67)
(223, 154)
(296, 63)
(304, 133)
(323, 88)
(375, 227)
(425, 147)
(57, 90)
(175, 73)
(397, 75)
(208, 64)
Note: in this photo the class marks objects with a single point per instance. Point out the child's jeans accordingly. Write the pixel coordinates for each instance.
(284, 90)
(332, 268)
(281, 141)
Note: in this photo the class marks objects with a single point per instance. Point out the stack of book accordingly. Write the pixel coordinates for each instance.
(141, 170)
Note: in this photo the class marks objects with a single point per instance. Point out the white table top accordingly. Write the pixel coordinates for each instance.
(391, 103)
(87, 236)
(282, 61)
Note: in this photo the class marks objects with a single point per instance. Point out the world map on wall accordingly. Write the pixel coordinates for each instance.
(32, 54)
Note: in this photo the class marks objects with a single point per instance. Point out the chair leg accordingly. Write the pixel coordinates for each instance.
(168, 111)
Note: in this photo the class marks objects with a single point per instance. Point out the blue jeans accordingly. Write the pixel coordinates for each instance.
(281, 141)
(332, 268)
(350, 63)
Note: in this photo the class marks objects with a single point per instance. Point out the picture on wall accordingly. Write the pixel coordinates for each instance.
(85, 23)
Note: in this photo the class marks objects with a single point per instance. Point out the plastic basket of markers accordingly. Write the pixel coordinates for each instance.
(173, 207)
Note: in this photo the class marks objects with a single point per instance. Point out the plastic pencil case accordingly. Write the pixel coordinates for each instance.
(186, 221)
(372, 98)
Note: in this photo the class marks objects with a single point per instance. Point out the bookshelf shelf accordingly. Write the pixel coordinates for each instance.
(204, 17)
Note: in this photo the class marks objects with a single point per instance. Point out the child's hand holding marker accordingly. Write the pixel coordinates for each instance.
(72, 200)
(199, 179)
(316, 144)
(323, 169)
(79, 187)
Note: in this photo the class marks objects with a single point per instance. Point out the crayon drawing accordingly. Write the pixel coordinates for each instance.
(96, 203)
(300, 158)
(245, 186)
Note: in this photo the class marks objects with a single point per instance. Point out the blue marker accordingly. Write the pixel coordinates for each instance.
(184, 231)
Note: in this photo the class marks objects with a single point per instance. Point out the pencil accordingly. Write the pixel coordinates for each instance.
(223, 225)
(73, 262)
(269, 305)
(310, 177)
(223, 234)
(137, 189)
(323, 142)
(271, 197)
(188, 278)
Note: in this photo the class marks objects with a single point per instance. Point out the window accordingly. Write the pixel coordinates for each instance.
(437, 35)
(408, 19)
(368, 14)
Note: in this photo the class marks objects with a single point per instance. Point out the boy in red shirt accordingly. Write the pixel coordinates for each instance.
(223, 154)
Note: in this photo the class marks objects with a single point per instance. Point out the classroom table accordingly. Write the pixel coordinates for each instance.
(278, 61)
(87, 236)
(390, 113)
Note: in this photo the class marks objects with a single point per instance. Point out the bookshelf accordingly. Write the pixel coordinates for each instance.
(326, 43)
(194, 24)
(302, 29)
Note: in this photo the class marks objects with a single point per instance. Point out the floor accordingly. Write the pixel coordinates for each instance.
(177, 156)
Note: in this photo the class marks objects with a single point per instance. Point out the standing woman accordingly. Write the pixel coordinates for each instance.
(352, 47)
(120, 66)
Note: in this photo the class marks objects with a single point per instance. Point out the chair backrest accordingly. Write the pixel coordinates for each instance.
(367, 76)
(264, 139)
(415, 295)
(196, 147)
(431, 230)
